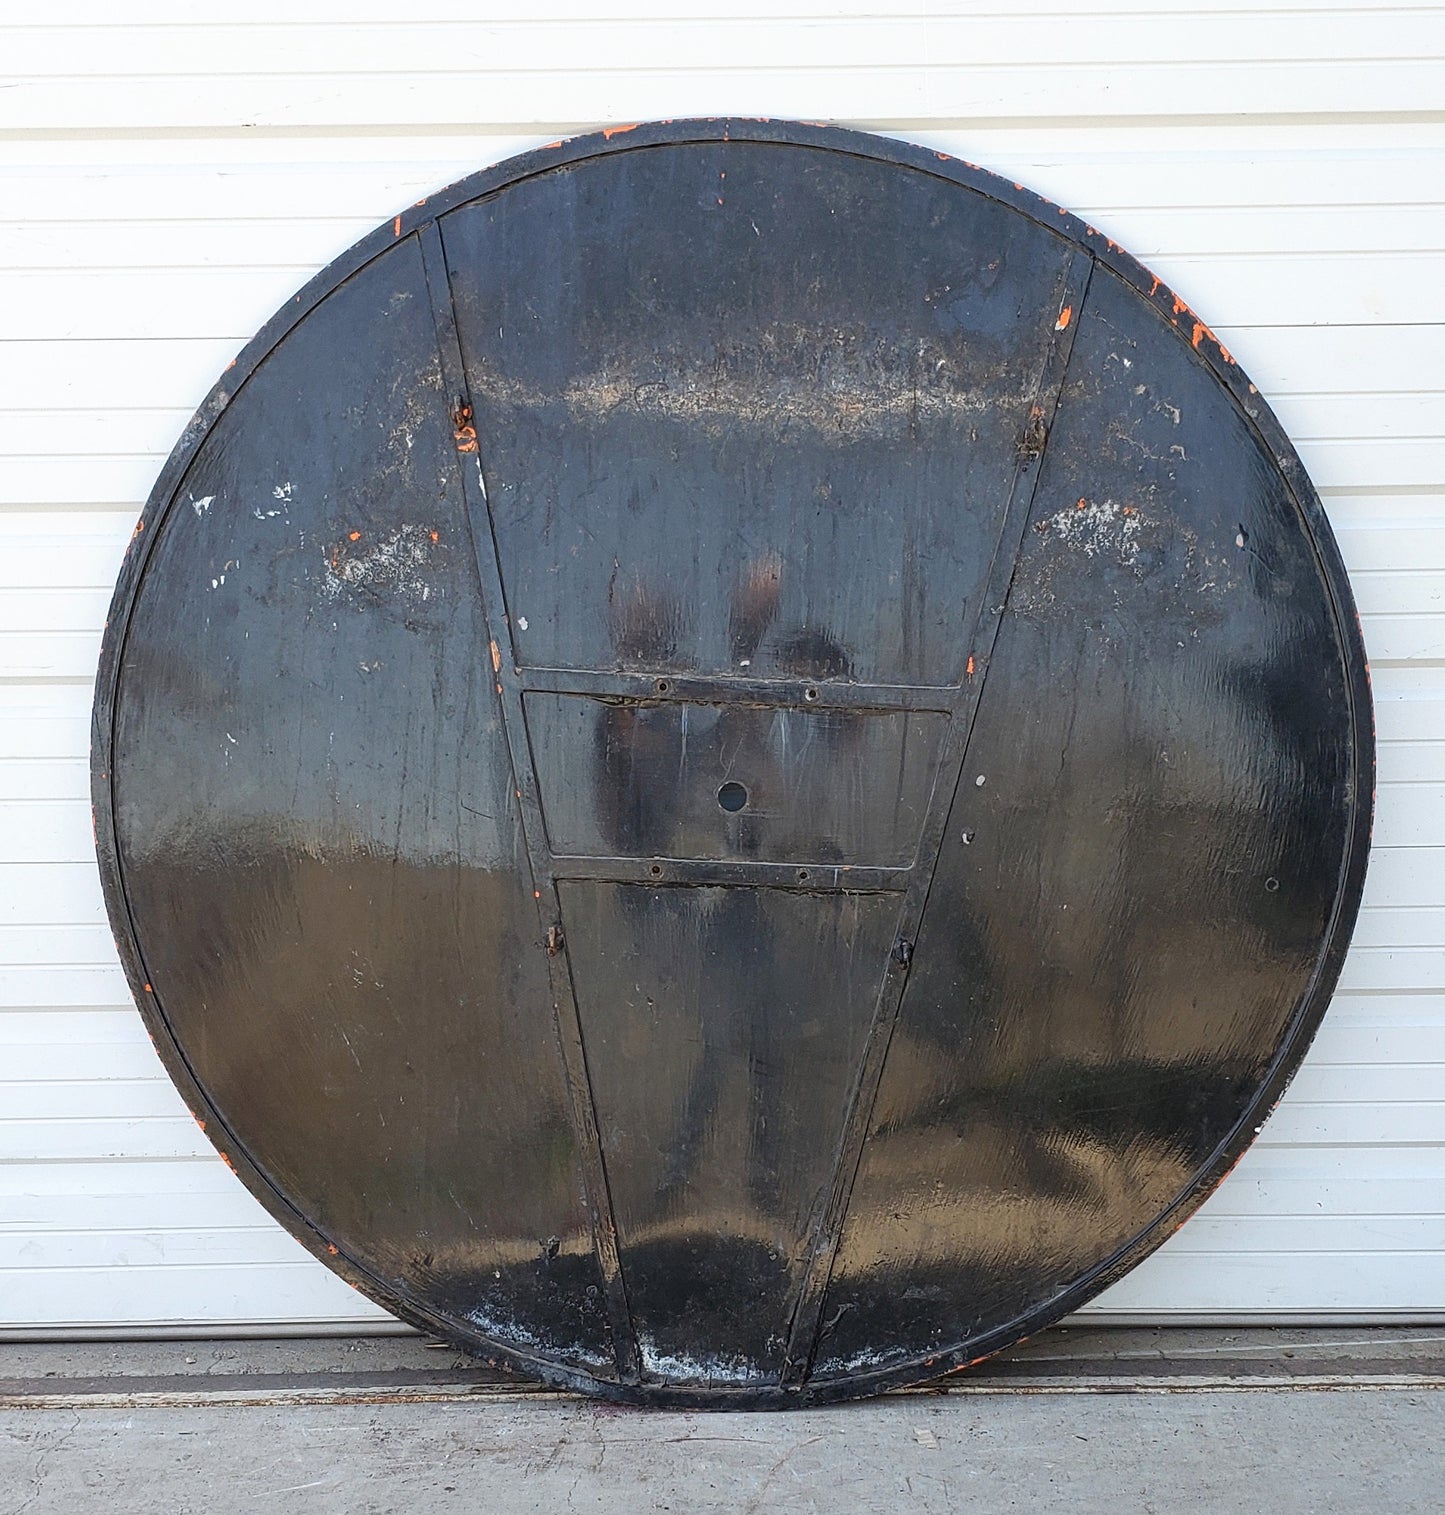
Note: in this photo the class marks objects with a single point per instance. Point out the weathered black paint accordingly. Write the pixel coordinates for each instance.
(733, 764)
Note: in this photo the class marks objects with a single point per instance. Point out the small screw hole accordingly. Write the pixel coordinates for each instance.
(662, 686)
(656, 870)
(810, 694)
(1272, 884)
(803, 875)
(732, 797)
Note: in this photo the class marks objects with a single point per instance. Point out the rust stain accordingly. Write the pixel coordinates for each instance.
(465, 433)
(1082, 505)
(1065, 316)
(140, 526)
(609, 132)
(970, 665)
(334, 1251)
(436, 536)
(148, 989)
(1200, 332)
(396, 227)
(496, 656)
(353, 536)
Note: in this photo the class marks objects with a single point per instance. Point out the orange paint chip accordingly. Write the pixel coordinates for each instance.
(396, 227)
(609, 132)
(335, 1252)
(148, 989)
(970, 665)
(353, 536)
(496, 656)
(140, 526)
(1065, 316)
(1082, 505)
(1179, 306)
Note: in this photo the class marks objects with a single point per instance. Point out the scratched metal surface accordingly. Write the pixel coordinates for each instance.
(732, 764)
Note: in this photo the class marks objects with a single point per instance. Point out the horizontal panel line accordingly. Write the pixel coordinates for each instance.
(97, 1158)
(616, 69)
(550, 127)
(109, 1269)
(1264, 1142)
(743, 17)
(251, 1229)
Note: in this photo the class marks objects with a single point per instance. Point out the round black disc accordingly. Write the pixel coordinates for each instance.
(733, 763)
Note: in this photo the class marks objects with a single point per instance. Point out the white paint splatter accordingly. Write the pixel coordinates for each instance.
(202, 505)
(394, 564)
(1100, 526)
(680, 1368)
(521, 623)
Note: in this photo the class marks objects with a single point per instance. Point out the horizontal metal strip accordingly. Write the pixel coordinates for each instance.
(807, 877)
(818, 694)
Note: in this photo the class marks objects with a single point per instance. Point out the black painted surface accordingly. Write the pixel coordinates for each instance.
(733, 764)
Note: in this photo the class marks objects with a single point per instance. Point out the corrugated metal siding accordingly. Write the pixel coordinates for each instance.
(170, 179)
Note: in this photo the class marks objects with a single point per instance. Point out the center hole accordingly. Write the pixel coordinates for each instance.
(732, 796)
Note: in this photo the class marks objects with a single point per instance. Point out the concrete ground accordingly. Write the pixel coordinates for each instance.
(1079, 1419)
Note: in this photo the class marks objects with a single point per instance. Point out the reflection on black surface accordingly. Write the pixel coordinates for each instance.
(722, 1024)
(723, 1027)
(1128, 908)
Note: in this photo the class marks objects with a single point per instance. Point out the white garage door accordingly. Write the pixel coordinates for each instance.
(168, 180)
